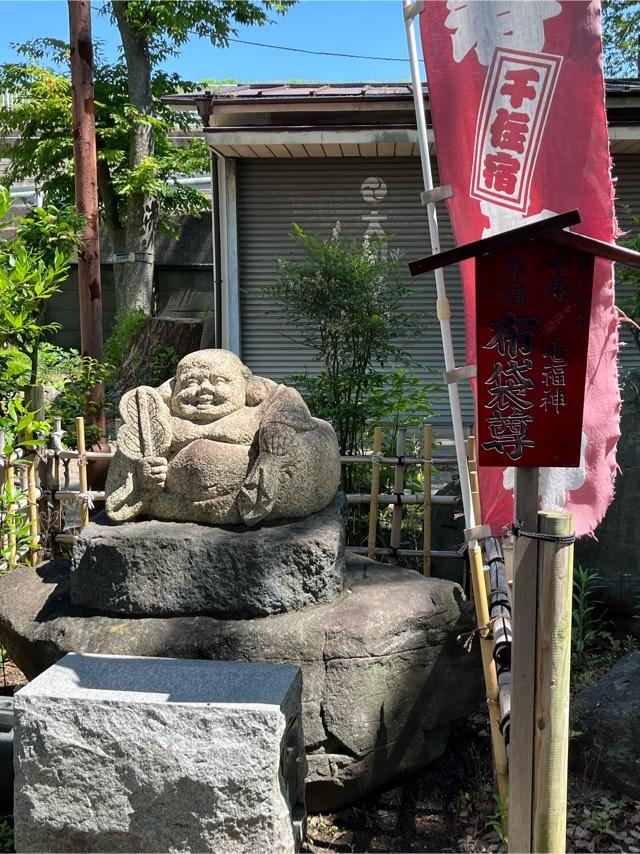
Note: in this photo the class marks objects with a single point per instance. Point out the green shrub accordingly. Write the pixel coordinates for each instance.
(126, 326)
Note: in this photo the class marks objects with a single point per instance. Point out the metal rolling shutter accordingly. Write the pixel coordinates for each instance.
(272, 194)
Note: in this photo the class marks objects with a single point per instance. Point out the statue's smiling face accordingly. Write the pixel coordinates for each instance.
(208, 390)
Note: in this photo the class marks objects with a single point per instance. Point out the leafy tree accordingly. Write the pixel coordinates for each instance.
(137, 163)
(621, 38)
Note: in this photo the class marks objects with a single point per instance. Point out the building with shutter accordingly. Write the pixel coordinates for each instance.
(315, 154)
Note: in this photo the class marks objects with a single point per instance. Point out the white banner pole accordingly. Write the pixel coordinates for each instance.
(411, 9)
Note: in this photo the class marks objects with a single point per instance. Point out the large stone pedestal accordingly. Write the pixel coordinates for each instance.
(118, 753)
(179, 568)
(383, 674)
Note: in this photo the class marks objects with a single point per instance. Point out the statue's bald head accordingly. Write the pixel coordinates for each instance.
(209, 384)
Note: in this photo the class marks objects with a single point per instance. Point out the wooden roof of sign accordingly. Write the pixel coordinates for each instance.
(553, 229)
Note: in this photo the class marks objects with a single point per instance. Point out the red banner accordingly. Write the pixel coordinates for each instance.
(517, 101)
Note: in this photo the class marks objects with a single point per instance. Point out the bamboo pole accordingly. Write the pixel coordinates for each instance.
(56, 442)
(11, 508)
(398, 489)
(490, 676)
(32, 513)
(82, 471)
(375, 488)
(381, 550)
(553, 667)
(473, 478)
(415, 498)
(427, 442)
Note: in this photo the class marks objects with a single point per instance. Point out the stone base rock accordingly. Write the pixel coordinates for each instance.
(383, 674)
(117, 753)
(607, 715)
(157, 568)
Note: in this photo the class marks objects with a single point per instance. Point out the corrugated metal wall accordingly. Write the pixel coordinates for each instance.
(272, 194)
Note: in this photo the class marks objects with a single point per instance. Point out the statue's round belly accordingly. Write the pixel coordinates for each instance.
(208, 469)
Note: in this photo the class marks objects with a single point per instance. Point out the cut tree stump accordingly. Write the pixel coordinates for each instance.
(150, 360)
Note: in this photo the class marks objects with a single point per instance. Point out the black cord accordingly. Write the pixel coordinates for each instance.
(517, 531)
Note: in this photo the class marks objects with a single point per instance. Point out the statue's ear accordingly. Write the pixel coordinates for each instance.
(258, 389)
(166, 390)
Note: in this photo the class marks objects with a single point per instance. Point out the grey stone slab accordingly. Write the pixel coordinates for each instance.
(140, 754)
(152, 568)
(384, 675)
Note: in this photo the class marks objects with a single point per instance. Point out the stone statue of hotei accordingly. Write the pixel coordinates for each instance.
(220, 446)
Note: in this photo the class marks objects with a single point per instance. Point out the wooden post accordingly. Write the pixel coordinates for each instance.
(375, 489)
(489, 670)
(86, 185)
(398, 489)
(427, 441)
(553, 667)
(523, 663)
(82, 472)
(32, 513)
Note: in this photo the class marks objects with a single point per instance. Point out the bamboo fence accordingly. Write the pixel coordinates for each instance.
(44, 504)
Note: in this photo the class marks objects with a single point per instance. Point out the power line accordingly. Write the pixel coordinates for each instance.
(321, 52)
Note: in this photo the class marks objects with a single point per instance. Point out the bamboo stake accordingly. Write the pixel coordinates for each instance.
(56, 441)
(375, 488)
(473, 478)
(490, 676)
(553, 667)
(82, 471)
(32, 513)
(11, 536)
(398, 489)
(427, 441)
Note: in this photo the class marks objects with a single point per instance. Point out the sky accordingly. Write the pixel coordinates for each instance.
(367, 27)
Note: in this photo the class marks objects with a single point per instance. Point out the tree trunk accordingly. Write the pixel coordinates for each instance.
(133, 273)
(155, 351)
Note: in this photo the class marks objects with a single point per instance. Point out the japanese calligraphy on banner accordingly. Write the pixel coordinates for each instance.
(532, 330)
(516, 93)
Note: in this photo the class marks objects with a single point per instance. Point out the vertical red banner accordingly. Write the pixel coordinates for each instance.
(516, 92)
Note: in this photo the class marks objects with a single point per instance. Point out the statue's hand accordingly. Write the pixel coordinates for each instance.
(276, 439)
(152, 472)
(258, 495)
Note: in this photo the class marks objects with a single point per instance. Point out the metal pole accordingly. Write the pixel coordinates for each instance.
(86, 181)
(443, 309)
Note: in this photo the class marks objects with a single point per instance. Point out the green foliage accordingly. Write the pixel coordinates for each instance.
(168, 25)
(164, 362)
(83, 374)
(603, 818)
(499, 821)
(6, 835)
(42, 118)
(20, 426)
(620, 28)
(588, 627)
(126, 326)
(630, 276)
(33, 264)
(345, 302)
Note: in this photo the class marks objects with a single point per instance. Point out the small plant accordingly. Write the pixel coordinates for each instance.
(498, 822)
(76, 399)
(588, 627)
(125, 328)
(345, 302)
(6, 835)
(602, 819)
(164, 362)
